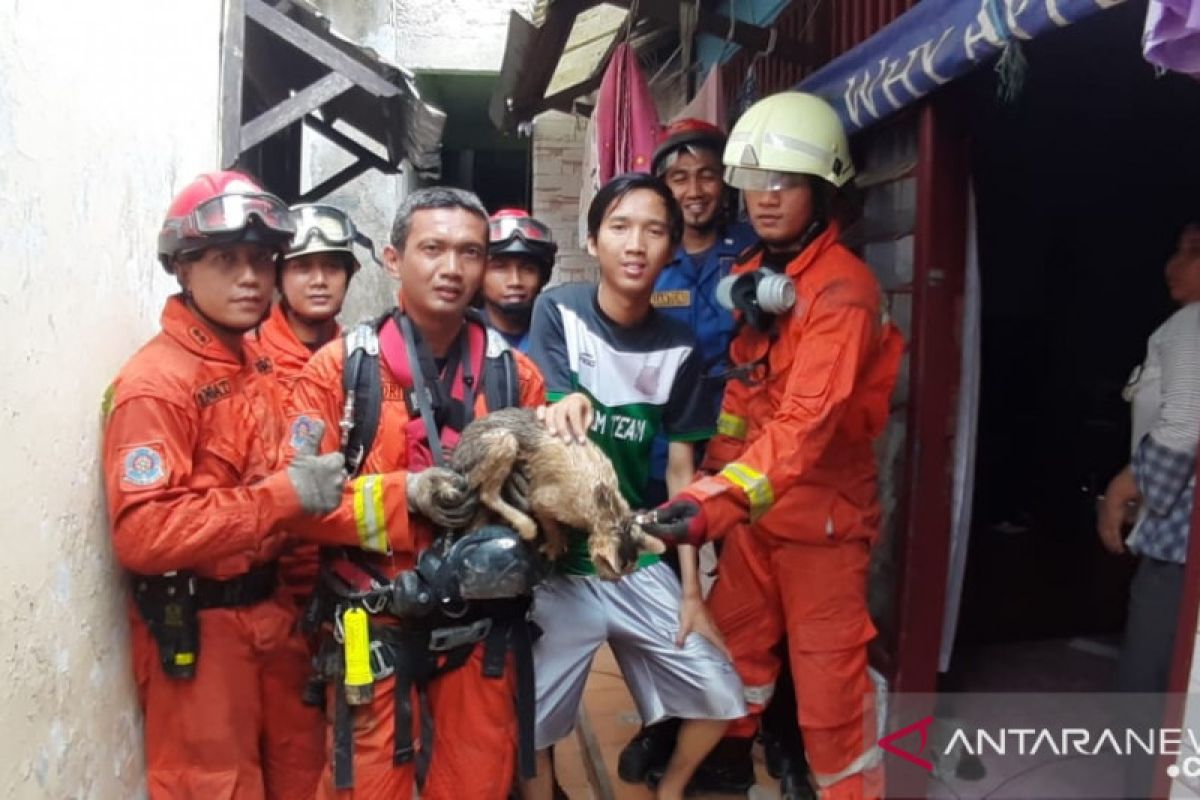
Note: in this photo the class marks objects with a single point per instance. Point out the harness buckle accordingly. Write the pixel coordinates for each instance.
(382, 665)
(442, 639)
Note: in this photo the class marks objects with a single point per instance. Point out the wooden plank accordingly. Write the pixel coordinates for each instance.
(334, 182)
(305, 40)
(349, 145)
(294, 108)
(233, 44)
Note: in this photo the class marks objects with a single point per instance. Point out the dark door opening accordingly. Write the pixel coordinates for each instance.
(476, 156)
(1082, 186)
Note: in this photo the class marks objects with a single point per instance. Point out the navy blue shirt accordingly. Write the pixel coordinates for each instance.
(687, 291)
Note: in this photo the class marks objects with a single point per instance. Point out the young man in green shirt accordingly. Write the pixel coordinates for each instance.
(641, 371)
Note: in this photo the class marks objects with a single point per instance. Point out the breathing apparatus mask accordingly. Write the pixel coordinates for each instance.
(760, 295)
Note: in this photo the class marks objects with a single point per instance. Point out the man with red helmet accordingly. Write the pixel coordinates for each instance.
(521, 254)
(197, 502)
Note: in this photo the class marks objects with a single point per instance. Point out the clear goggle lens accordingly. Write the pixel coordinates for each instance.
(229, 213)
(526, 227)
(330, 224)
(763, 180)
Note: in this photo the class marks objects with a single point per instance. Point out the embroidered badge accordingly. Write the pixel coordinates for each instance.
(207, 395)
(143, 466)
(303, 430)
(676, 298)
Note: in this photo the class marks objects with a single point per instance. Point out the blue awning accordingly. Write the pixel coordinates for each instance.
(931, 44)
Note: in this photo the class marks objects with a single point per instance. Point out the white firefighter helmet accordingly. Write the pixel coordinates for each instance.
(784, 135)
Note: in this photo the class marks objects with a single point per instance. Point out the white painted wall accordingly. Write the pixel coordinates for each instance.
(105, 110)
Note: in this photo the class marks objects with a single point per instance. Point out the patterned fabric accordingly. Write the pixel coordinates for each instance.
(1167, 480)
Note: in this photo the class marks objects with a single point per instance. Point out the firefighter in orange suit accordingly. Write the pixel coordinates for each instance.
(794, 491)
(431, 365)
(314, 274)
(197, 502)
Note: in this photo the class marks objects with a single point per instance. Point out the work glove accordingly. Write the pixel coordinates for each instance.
(677, 521)
(317, 479)
(442, 496)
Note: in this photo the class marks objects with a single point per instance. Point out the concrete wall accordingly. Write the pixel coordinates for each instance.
(94, 137)
(462, 35)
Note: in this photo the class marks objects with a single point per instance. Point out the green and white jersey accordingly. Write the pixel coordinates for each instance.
(641, 379)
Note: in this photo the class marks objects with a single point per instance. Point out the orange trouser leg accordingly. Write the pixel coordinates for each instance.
(746, 608)
(474, 744)
(828, 629)
(202, 734)
(474, 734)
(374, 727)
(293, 733)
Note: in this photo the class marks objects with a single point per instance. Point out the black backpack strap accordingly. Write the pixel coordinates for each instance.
(363, 393)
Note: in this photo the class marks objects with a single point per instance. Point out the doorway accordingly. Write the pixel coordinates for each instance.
(1082, 185)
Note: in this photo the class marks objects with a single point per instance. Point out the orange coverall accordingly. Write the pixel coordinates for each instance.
(298, 564)
(190, 456)
(475, 728)
(796, 501)
(298, 561)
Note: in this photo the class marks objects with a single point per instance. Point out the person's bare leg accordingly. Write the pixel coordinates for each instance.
(696, 738)
(541, 785)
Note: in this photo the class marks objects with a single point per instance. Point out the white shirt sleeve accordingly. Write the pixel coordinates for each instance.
(1178, 424)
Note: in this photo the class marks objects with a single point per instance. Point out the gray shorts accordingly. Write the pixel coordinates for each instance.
(638, 616)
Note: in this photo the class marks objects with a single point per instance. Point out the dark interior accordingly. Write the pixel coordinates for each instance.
(1082, 184)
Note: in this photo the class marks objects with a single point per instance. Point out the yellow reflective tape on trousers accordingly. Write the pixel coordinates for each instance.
(368, 514)
(731, 425)
(756, 486)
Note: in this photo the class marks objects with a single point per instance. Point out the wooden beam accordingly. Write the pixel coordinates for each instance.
(334, 182)
(284, 113)
(545, 52)
(310, 43)
(233, 46)
(349, 145)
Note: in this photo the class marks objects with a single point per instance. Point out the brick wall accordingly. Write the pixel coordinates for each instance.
(557, 176)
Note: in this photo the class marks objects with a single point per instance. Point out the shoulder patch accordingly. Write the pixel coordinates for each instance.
(143, 466)
(301, 432)
(211, 393)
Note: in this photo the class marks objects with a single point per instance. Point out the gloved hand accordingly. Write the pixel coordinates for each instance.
(317, 479)
(442, 496)
(678, 521)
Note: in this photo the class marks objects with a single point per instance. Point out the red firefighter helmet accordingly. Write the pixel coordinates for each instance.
(222, 208)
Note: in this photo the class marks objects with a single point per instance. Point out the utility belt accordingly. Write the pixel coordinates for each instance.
(364, 642)
(170, 605)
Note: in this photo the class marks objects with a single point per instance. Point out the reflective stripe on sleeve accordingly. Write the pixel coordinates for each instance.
(731, 425)
(757, 488)
(369, 515)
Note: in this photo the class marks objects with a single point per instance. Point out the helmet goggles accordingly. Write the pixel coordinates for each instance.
(328, 224)
(764, 180)
(233, 213)
(503, 228)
